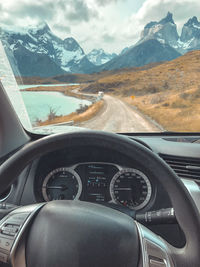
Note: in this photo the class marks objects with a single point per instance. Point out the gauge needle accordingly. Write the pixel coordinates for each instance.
(123, 189)
(61, 187)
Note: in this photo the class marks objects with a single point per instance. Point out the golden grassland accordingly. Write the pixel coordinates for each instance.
(169, 93)
(92, 110)
(173, 111)
(80, 78)
(181, 73)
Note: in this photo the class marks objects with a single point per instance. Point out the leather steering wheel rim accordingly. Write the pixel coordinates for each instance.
(185, 209)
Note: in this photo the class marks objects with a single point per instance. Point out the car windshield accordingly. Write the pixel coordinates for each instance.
(112, 65)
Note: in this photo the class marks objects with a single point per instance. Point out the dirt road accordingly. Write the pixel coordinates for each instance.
(117, 116)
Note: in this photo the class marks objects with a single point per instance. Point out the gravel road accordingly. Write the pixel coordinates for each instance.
(117, 116)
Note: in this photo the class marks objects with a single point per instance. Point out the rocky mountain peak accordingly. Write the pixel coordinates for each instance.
(165, 31)
(167, 19)
(99, 56)
(151, 24)
(71, 44)
(192, 21)
(191, 33)
(40, 28)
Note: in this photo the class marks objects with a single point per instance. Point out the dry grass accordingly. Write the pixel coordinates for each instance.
(80, 78)
(77, 118)
(171, 111)
(180, 74)
(168, 93)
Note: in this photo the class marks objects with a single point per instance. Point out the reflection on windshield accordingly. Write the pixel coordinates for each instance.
(149, 84)
(9, 83)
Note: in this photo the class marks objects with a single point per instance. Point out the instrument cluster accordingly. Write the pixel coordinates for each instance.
(98, 182)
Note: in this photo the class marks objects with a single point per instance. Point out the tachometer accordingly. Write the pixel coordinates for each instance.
(131, 188)
(62, 183)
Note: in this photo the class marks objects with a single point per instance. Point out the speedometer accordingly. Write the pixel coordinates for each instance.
(131, 188)
(62, 183)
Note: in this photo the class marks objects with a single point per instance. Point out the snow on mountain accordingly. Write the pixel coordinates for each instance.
(99, 56)
(190, 35)
(36, 51)
(62, 55)
(165, 31)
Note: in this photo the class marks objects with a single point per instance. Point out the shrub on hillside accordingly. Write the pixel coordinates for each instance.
(81, 109)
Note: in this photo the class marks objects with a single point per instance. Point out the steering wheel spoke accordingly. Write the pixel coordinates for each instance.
(12, 229)
(155, 250)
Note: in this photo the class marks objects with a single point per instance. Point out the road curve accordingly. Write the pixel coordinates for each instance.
(117, 116)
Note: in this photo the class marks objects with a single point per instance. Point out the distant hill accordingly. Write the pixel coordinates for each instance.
(169, 93)
(150, 51)
(81, 78)
(181, 73)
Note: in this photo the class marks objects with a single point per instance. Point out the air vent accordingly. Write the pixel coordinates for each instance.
(5, 194)
(188, 168)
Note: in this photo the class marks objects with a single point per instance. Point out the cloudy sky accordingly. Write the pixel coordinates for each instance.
(108, 24)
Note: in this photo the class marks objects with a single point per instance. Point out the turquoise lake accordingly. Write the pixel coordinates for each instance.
(38, 104)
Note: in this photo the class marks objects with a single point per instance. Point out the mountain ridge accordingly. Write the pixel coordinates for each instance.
(62, 55)
(38, 45)
(99, 56)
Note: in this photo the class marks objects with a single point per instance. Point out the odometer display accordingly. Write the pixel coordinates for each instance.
(131, 188)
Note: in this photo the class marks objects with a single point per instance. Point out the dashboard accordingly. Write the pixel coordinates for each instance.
(98, 182)
(102, 176)
(97, 175)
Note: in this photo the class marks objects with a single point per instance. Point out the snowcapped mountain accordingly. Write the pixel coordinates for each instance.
(99, 56)
(165, 31)
(36, 51)
(159, 42)
(190, 36)
(35, 48)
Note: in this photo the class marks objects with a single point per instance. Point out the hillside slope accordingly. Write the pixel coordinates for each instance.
(169, 92)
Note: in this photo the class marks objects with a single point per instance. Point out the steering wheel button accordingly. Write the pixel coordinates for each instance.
(9, 229)
(156, 263)
(5, 232)
(20, 218)
(5, 243)
(3, 257)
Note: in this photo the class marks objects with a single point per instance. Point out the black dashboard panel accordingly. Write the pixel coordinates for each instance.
(30, 191)
(92, 190)
(27, 189)
(98, 182)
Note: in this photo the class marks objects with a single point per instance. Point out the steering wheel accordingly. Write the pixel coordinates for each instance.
(81, 234)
